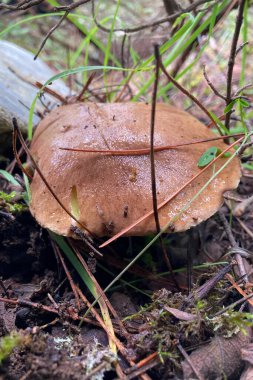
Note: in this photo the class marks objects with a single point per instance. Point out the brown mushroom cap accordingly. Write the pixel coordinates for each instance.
(114, 191)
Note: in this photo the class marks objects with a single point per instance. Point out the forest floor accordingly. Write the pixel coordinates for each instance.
(39, 313)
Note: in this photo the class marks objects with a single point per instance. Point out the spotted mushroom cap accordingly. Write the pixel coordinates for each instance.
(111, 192)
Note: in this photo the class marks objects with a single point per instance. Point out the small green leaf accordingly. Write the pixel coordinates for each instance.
(229, 107)
(243, 102)
(9, 177)
(247, 166)
(207, 157)
(220, 124)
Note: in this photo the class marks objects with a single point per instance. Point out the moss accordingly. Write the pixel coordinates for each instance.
(9, 202)
(9, 342)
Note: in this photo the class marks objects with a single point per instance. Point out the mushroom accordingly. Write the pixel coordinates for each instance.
(111, 192)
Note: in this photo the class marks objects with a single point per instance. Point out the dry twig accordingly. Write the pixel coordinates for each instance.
(153, 24)
(232, 56)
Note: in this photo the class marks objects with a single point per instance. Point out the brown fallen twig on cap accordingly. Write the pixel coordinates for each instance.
(146, 151)
(125, 230)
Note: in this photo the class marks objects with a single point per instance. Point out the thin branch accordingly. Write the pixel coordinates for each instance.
(86, 239)
(231, 306)
(72, 6)
(203, 291)
(152, 132)
(150, 25)
(101, 292)
(234, 244)
(189, 361)
(29, 304)
(249, 85)
(216, 92)
(241, 47)
(231, 61)
(79, 97)
(96, 315)
(58, 253)
(152, 163)
(192, 97)
(51, 31)
(246, 228)
(51, 92)
(22, 6)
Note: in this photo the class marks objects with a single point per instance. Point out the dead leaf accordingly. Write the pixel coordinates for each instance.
(179, 314)
(219, 359)
(247, 355)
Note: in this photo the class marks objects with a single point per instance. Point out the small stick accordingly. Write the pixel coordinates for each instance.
(56, 320)
(146, 151)
(141, 363)
(51, 31)
(140, 371)
(16, 153)
(94, 371)
(234, 244)
(238, 288)
(215, 91)
(204, 290)
(240, 209)
(117, 342)
(246, 229)
(231, 61)
(228, 230)
(152, 132)
(191, 96)
(71, 6)
(152, 164)
(100, 292)
(236, 303)
(53, 301)
(29, 304)
(125, 230)
(85, 87)
(189, 361)
(119, 97)
(22, 6)
(58, 252)
(50, 92)
(150, 25)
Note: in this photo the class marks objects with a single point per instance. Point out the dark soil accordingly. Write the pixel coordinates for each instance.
(55, 347)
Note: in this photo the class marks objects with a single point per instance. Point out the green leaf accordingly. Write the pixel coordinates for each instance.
(9, 177)
(220, 124)
(243, 102)
(229, 107)
(247, 166)
(207, 157)
(69, 253)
